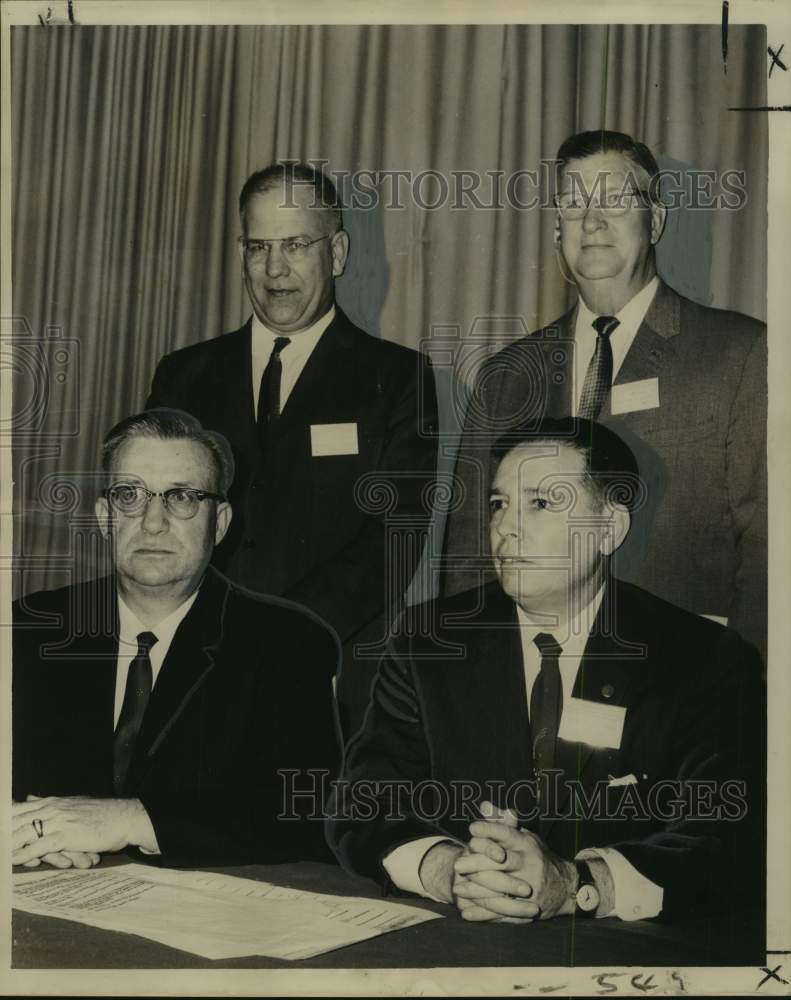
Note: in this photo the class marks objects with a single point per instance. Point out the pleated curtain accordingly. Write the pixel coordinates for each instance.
(130, 145)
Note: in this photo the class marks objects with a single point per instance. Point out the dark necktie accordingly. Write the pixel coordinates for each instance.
(598, 378)
(138, 690)
(546, 703)
(269, 391)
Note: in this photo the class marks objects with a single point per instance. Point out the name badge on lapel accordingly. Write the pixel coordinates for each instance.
(633, 396)
(591, 722)
(333, 439)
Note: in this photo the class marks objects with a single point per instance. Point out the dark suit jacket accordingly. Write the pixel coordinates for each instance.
(300, 527)
(450, 706)
(700, 539)
(245, 690)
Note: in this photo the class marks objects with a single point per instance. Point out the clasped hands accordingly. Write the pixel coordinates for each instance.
(504, 874)
(75, 831)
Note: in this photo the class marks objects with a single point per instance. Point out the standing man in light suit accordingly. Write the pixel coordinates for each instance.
(317, 413)
(683, 383)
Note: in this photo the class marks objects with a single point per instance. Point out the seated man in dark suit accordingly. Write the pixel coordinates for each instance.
(161, 707)
(333, 431)
(606, 744)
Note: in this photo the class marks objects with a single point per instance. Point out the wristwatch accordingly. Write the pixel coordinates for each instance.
(587, 896)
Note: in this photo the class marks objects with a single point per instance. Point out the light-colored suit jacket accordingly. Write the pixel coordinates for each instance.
(699, 538)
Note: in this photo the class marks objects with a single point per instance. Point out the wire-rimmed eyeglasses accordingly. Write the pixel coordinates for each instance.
(294, 248)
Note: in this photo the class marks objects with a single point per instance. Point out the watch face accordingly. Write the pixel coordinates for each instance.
(587, 898)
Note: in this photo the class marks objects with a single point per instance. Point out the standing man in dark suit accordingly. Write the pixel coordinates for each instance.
(607, 746)
(683, 383)
(332, 429)
(161, 707)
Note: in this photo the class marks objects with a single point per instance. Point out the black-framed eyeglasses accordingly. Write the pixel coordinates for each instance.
(294, 248)
(180, 501)
(573, 205)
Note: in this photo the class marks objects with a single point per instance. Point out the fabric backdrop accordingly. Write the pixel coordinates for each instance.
(130, 145)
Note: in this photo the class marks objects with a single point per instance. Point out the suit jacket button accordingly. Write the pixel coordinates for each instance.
(608, 690)
(249, 543)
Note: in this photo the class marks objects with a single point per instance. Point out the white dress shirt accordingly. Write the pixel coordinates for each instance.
(636, 897)
(130, 627)
(629, 320)
(293, 357)
(572, 638)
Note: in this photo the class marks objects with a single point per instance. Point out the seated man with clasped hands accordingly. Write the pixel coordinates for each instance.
(558, 742)
(159, 707)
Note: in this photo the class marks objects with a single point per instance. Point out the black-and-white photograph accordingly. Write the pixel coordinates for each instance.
(389, 581)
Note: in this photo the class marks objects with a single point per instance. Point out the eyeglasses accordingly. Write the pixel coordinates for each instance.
(295, 248)
(181, 502)
(612, 203)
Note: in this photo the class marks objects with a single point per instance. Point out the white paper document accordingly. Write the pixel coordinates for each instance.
(217, 916)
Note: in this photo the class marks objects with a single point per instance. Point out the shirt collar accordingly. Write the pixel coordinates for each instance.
(631, 315)
(130, 626)
(578, 629)
(303, 341)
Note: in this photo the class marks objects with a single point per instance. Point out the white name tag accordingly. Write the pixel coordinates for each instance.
(593, 723)
(632, 396)
(333, 439)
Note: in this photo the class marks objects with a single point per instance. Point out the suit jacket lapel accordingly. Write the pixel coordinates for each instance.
(90, 629)
(330, 363)
(66, 671)
(614, 671)
(95, 646)
(236, 369)
(558, 348)
(652, 347)
(189, 660)
(493, 681)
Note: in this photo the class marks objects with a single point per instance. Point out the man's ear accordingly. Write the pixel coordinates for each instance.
(339, 246)
(617, 529)
(222, 521)
(102, 510)
(658, 220)
(557, 231)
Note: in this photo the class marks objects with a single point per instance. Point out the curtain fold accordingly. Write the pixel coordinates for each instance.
(130, 145)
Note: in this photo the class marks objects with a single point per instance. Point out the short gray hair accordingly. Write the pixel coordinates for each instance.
(287, 173)
(172, 425)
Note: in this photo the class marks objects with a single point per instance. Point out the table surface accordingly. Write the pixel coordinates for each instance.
(735, 939)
